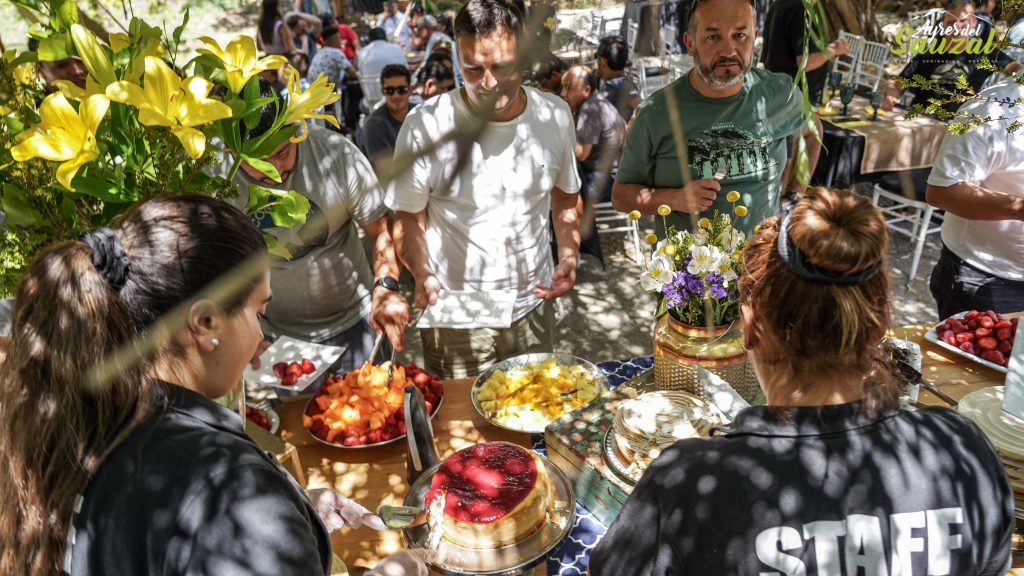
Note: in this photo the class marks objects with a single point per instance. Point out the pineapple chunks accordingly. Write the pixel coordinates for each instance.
(531, 396)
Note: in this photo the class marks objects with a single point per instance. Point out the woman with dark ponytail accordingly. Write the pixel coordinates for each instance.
(831, 477)
(118, 462)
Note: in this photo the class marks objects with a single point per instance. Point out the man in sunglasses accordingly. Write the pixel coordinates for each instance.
(376, 137)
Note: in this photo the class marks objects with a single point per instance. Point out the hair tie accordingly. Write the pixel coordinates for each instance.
(797, 262)
(108, 256)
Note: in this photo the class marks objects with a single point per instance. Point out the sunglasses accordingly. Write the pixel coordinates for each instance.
(392, 90)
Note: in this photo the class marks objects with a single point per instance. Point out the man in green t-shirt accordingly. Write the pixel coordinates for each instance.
(734, 122)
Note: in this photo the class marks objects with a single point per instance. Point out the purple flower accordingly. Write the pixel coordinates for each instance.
(717, 291)
(674, 295)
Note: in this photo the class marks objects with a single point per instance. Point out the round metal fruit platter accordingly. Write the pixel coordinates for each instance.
(522, 360)
(305, 412)
(512, 560)
(272, 417)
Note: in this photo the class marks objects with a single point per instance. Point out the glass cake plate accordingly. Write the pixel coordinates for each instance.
(514, 559)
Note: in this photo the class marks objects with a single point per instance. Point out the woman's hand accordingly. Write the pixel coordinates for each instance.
(336, 511)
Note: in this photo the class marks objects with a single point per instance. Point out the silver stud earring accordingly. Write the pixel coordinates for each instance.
(215, 342)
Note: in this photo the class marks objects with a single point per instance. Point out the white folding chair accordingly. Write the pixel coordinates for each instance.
(871, 65)
(847, 63)
(610, 221)
(907, 216)
(371, 92)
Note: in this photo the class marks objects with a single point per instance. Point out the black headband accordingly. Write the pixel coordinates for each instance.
(799, 265)
(108, 256)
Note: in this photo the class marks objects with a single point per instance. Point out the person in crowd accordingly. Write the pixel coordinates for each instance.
(389, 21)
(1015, 33)
(783, 48)
(429, 37)
(349, 38)
(330, 59)
(471, 213)
(977, 180)
(945, 67)
(272, 36)
(130, 466)
(831, 476)
(378, 133)
(599, 131)
(736, 124)
(986, 11)
(433, 78)
(619, 89)
(300, 61)
(327, 292)
(546, 74)
(68, 69)
(378, 53)
(304, 28)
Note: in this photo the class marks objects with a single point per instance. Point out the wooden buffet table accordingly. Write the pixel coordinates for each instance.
(375, 476)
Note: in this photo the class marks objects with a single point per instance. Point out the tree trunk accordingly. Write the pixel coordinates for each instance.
(853, 16)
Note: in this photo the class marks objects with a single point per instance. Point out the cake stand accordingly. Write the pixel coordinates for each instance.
(512, 560)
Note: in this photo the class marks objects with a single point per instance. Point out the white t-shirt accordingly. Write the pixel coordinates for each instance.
(325, 288)
(994, 158)
(376, 55)
(489, 230)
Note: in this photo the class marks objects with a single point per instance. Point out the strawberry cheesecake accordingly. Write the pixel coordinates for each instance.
(494, 494)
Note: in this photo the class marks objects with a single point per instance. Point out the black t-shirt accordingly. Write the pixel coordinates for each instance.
(189, 492)
(819, 490)
(784, 43)
(944, 68)
(378, 134)
(599, 124)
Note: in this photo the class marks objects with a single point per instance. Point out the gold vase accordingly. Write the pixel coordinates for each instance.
(679, 348)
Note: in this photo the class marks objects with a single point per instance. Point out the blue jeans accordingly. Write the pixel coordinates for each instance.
(958, 286)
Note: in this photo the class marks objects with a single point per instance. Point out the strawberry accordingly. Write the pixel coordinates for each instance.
(430, 407)
(993, 356)
(1004, 334)
(389, 432)
(971, 315)
(279, 369)
(290, 380)
(1013, 323)
(436, 387)
(982, 332)
(949, 337)
(421, 380)
(993, 315)
(401, 427)
(374, 436)
(965, 337)
(986, 322)
(351, 441)
(967, 347)
(987, 343)
(293, 368)
(1002, 324)
(955, 325)
(1005, 347)
(307, 366)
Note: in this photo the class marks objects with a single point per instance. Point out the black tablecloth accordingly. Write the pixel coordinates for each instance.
(840, 160)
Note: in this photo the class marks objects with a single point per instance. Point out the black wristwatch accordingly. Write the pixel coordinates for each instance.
(387, 282)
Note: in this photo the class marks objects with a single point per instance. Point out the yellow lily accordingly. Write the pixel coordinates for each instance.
(167, 100)
(25, 74)
(94, 56)
(302, 106)
(137, 67)
(239, 59)
(64, 135)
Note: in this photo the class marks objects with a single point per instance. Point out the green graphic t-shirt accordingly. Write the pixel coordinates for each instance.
(747, 132)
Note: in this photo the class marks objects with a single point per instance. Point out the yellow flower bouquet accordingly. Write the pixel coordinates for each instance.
(140, 125)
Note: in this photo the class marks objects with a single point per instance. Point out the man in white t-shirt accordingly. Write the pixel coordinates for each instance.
(978, 179)
(327, 292)
(377, 54)
(472, 214)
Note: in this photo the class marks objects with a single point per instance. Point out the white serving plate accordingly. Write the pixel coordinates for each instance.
(286, 350)
(272, 416)
(932, 336)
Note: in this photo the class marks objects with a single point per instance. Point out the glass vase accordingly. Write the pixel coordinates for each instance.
(679, 348)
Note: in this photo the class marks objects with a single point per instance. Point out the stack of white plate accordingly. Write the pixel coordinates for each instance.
(1004, 430)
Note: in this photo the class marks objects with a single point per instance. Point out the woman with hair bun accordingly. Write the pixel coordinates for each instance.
(117, 460)
(831, 477)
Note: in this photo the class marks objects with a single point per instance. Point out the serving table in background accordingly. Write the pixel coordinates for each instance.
(374, 476)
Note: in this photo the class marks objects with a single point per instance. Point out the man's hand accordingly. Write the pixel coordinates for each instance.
(562, 280)
(390, 313)
(260, 349)
(427, 291)
(839, 47)
(889, 102)
(697, 196)
(336, 511)
(404, 563)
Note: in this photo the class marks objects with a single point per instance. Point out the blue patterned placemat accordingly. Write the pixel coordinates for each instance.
(572, 557)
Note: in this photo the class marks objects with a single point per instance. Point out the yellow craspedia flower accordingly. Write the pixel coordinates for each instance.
(704, 223)
(652, 238)
(664, 210)
(634, 215)
(736, 255)
(732, 196)
(670, 250)
(757, 229)
(740, 211)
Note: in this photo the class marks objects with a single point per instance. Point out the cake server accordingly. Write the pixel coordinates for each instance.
(397, 517)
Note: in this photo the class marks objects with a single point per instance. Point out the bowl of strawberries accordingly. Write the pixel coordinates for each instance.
(361, 409)
(984, 337)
